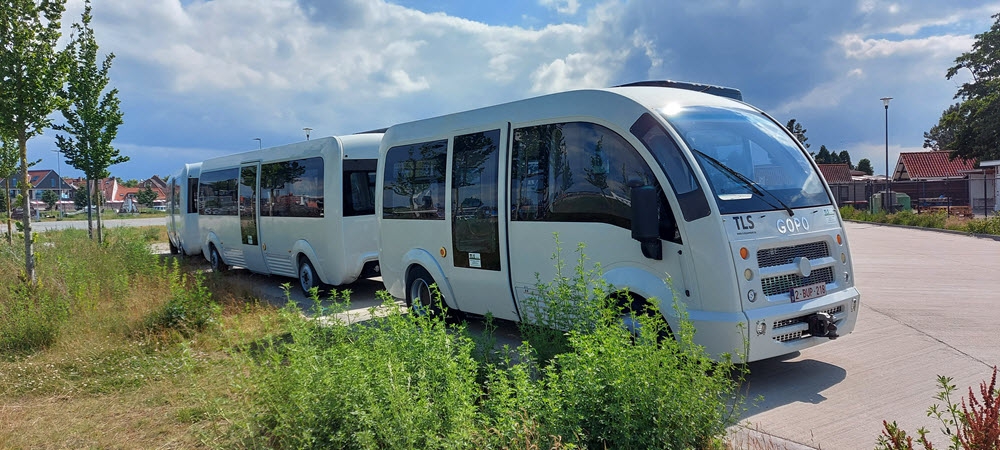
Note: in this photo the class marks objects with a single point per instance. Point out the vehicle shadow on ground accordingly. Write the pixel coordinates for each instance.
(785, 380)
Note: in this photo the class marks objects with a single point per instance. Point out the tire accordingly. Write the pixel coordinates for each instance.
(307, 276)
(419, 296)
(215, 259)
(173, 248)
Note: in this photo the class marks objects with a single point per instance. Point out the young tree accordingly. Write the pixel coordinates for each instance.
(33, 70)
(146, 196)
(92, 120)
(80, 199)
(50, 198)
(9, 158)
(971, 128)
(800, 133)
(865, 165)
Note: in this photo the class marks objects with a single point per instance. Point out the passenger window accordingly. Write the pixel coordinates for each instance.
(414, 181)
(292, 188)
(217, 193)
(359, 187)
(690, 196)
(578, 172)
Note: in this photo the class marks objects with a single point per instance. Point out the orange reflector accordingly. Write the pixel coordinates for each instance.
(744, 253)
(839, 241)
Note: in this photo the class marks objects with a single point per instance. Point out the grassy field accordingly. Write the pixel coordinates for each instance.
(117, 347)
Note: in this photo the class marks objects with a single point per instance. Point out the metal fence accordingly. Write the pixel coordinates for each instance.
(977, 194)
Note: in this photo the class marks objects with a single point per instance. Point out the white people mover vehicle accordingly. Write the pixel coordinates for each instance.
(676, 189)
(182, 211)
(302, 210)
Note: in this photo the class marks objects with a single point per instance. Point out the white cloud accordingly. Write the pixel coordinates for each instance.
(825, 96)
(568, 7)
(856, 46)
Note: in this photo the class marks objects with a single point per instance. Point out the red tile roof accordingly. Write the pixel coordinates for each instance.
(930, 165)
(835, 173)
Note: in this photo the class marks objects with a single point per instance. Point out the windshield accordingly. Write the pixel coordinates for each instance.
(750, 162)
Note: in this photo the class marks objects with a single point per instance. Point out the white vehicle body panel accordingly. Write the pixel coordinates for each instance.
(702, 269)
(339, 247)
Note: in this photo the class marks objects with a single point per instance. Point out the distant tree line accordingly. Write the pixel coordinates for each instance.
(825, 156)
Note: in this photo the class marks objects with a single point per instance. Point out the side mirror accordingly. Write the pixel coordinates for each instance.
(646, 219)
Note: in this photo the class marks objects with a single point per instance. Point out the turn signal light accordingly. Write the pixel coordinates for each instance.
(744, 253)
(839, 241)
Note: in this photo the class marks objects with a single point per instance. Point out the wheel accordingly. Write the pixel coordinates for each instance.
(215, 259)
(307, 276)
(173, 248)
(419, 296)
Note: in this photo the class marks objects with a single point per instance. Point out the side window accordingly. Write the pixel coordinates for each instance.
(192, 206)
(689, 193)
(292, 188)
(414, 181)
(574, 172)
(359, 187)
(217, 193)
(474, 196)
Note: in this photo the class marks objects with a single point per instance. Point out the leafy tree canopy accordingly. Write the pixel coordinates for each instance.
(865, 165)
(796, 128)
(971, 128)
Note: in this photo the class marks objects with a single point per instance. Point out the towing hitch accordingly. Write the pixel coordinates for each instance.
(821, 325)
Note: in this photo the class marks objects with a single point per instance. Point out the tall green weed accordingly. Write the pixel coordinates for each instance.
(398, 381)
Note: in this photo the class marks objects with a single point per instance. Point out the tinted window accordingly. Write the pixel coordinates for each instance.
(192, 206)
(414, 181)
(474, 187)
(690, 196)
(217, 192)
(359, 187)
(574, 172)
(292, 188)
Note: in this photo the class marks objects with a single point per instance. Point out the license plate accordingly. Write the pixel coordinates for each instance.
(807, 292)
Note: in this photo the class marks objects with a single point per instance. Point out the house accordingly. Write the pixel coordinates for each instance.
(41, 181)
(933, 179)
(841, 179)
(931, 166)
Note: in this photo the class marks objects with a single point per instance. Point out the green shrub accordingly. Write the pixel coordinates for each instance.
(974, 426)
(190, 307)
(609, 388)
(399, 381)
(984, 226)
(567, 303)
(30, 318)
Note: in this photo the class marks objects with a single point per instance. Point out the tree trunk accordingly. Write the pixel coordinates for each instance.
(90, 210)
(29, 250)
(10, 225)
(100, 206)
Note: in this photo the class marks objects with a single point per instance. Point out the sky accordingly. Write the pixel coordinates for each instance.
(204, 78)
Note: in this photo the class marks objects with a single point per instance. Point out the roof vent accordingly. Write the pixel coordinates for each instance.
(721, 91)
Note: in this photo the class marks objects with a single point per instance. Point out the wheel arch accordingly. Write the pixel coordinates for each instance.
(423, 259)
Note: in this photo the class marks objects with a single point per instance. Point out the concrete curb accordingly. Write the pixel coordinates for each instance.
(939, 230)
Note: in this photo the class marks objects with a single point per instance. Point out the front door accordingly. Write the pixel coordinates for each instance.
(249, 228)
(481, 280)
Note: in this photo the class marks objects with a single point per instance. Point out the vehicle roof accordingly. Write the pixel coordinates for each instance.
(615, 104)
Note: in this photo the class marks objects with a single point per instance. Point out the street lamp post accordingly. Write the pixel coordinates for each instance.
(888, 184)
(307, 130)
(258, 142)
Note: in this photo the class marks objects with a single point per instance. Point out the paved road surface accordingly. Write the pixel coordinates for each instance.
(930, 306)
(82, 223)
